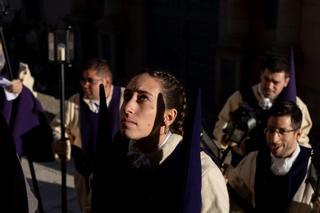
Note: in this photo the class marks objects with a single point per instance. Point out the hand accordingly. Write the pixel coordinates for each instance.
(236, 147)
(15, 87)
(226, 170)
(225, 142)
(62, 148)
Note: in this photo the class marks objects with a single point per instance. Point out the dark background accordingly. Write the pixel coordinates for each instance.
(215, 45)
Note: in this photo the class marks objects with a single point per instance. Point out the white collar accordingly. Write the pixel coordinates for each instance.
(165, 139)
(281, 166)
(159, 154)
(94, 104)
(264, 103)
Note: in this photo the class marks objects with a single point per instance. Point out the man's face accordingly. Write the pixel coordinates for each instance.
(140, 107)
(273, 83)
(90, 84)
(281, 137)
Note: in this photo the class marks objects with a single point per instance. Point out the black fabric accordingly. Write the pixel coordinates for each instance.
(238, 202)
(2, 100)
(12, 179)
(147, 189)
(113, 110)
(210, 148)
(314, 172)
(14, 65)
(103, 162)
(88, 127)
(37, 144)
(280, 189)
(84, 158)
(256, 139)
(83, 162)
(249, 97)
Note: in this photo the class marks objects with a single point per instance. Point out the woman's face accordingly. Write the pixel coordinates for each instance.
(141, 107)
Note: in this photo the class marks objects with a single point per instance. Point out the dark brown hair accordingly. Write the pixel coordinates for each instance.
(100, 65)
(174, 96)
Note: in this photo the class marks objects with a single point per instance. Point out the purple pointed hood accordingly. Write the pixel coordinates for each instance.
(290, 92)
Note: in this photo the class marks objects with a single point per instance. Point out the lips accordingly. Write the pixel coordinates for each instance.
(268, 92)
(128, 122)
(275, 148)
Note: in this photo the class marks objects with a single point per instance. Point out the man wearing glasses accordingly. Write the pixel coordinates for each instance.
(275, 77)
(279, 173)
(81, 122)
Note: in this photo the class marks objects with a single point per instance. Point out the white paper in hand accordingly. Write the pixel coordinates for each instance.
(4, 82)
(9, 95)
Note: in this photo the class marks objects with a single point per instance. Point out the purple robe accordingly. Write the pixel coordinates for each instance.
(28, 124)
(84, 157)
(290, 91)
(89, 121)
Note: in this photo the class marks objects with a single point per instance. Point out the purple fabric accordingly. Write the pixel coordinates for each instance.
(88, 127)
(21, 115)
(113, 110)
(290, 92)
(281, 188)
(191, 198)
(89, 121)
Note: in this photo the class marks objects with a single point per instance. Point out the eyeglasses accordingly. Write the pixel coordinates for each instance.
(90, 81)
(280, 131)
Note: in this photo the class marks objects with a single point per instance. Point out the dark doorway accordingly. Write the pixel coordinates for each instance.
(182, 38)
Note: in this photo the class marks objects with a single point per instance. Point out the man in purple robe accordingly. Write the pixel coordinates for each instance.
(24, 114)
(81, 123)
(18, 196)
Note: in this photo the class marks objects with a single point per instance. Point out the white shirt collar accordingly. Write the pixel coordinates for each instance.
(94, 104)
(281, 166)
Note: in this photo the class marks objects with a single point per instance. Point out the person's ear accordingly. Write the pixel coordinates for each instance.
(299, 133)
(169, 116)
(106, 80)
(287, 79)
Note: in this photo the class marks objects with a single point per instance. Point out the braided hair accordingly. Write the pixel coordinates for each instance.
(174, 97)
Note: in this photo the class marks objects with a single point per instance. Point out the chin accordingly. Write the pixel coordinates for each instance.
(270, 96)
(278, 154)
(129, 134)
(90, 97)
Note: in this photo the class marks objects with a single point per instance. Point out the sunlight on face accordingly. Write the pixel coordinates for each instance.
(90, 84)
(139, 108)
(273, 83)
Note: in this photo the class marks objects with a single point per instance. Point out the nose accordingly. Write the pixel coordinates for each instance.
(274, 137)
(129, 105)
(270, 85)
(85, 84)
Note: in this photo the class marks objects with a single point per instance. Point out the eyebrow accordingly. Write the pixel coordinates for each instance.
(140, 91)
(270, 79)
